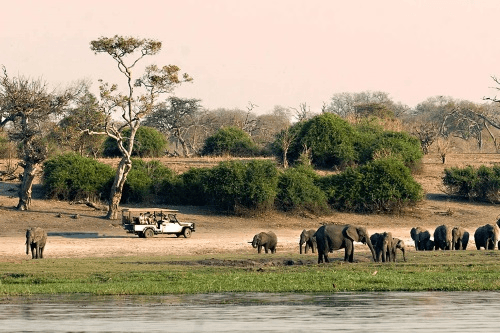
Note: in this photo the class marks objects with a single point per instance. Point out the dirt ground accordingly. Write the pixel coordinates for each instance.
(90, 235)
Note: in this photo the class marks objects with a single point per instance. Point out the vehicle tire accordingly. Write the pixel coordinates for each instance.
(187, 233)
(148, 233)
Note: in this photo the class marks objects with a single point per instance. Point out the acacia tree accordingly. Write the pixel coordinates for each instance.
(135, 103)
(27, 105)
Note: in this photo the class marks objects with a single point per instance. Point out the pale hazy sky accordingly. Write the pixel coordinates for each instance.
(269, 52)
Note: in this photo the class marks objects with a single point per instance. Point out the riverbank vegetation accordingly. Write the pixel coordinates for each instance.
(286, 273)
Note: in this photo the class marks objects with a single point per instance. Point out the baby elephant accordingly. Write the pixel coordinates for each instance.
(35, 240)
(268, 240)
(307, 237)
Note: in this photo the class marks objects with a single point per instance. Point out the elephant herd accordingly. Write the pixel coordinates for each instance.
(383, 246)
(456, 238)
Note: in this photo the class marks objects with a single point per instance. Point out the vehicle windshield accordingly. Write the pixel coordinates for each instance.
(172, 218)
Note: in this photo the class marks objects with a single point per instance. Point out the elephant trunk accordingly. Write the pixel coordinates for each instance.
(27, 246)
(369, 243)
(300, 246)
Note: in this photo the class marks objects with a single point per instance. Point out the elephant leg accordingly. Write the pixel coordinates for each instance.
(349, 252)
(259, 249)
(266, 248)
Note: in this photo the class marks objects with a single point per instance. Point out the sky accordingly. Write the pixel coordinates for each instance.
(267, 52)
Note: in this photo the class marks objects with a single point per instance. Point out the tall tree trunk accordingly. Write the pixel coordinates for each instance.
(26, 187)
(117, 188)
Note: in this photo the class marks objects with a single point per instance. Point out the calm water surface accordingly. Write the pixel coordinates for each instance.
(245, 312)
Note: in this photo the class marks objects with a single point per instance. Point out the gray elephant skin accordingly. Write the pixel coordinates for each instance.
(429, 245)
(307, 238)
(332, 237)
(36, 238)
(266, 240)
(382, 243)
(397, 244)
(487, 236)
(421, 237)
(443, 238)
(460, 238)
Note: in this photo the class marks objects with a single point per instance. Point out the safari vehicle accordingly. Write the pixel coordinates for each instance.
(147, 222)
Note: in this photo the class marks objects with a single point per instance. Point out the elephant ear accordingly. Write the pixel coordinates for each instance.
(352, 232)
(413, 233)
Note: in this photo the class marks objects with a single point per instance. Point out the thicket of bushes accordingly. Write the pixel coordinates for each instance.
(482, 183)
(71, 177)
(230, 141)
(236, 186)
(148, 143)
(332, 142)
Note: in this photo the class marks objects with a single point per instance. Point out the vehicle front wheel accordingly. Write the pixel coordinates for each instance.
(148, 233)
(187, 233)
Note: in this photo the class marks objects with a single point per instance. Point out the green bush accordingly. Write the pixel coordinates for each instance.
(330, 140)
(234, 185)
(297, 191)
(148, 143)
(229, 141)
(333, 143)
(144, 181)
(71, 176)
(383, 185)
(482, 183)
(190, 188)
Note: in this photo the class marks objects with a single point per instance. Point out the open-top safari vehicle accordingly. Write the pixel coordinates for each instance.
(147, 222)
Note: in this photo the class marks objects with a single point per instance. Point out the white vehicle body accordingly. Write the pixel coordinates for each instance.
(147, 222)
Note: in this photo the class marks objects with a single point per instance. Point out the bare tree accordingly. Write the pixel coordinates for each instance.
(132, 104)
(27, 105)
(175, 118)
(303, 112)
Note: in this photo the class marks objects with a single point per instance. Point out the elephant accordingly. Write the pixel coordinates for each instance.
(443, 238)
(268, 240)
(36, 238)
(332, 237)
(460, 238)
(397, 244)
(429, 245)
(307, 238)
(420, 236)
(487, 236)
(382, 243)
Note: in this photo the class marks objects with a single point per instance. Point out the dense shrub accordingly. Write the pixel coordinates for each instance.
(189, 188)
(229, 141)
(383, 185)
(71, 176)
(330, 140)
(144, 181)
(297, 191)
(482, 183)
(334, 143)
(234, 184)
(148, 143)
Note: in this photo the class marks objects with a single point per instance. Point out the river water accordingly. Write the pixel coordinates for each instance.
(256, 312)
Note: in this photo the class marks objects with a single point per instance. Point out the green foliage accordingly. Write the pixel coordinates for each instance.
(144, 181)
(332, 142)
(189, 188)
(481, 183)
(229, 141)
(297, 191)
(383, 185)
(71, 176)
(233, 184)
(148, 143)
